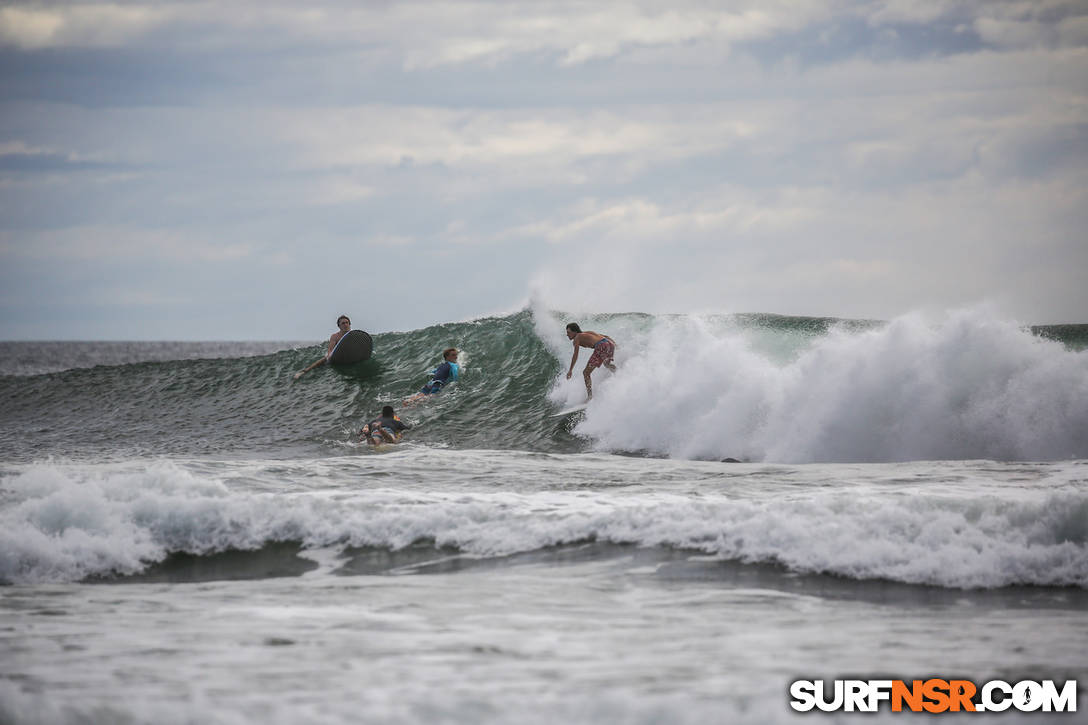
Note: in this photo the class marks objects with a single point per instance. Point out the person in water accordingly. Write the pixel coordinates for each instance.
(442, 376)
(604, 349)
(343, 325)
(386, 429)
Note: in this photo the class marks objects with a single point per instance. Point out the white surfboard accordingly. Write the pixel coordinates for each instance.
(568, 411)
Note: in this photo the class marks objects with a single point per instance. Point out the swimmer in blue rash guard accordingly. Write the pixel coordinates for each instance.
(442, 376)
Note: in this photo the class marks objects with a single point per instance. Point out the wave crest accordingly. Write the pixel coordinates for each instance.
(967, 387)
(67, 524)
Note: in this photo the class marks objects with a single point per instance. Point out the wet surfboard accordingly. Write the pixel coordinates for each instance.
(568, 411)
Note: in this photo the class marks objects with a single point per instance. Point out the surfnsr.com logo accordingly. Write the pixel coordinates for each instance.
(933, 696)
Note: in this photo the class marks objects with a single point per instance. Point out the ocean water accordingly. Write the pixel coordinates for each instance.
(188, 535)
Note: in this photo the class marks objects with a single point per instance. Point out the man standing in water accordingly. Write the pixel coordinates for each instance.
(343, 325)
(604, 349)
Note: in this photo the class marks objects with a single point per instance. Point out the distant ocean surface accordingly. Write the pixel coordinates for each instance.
(188, 535)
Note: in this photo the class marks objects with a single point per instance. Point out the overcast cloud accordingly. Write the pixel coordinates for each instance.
(251, 170)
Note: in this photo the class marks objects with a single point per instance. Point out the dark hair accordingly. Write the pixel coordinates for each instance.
(388, 411)
(573, 327)
(447, 351)
(343, 317)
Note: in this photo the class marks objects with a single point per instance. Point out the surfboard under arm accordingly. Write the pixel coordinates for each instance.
(353, 347)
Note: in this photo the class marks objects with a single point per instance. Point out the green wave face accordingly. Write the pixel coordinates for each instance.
(251, 404)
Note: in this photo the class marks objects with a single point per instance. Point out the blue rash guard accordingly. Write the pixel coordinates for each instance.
(445, 373)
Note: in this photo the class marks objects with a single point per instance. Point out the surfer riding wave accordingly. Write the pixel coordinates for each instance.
(604, 350)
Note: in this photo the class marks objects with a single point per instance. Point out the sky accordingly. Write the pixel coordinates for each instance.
(250, 170)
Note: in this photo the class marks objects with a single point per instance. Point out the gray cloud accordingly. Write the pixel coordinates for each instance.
(197, 161)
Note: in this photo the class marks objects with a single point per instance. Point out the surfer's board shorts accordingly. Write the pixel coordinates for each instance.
(377, 436)
(603, 352)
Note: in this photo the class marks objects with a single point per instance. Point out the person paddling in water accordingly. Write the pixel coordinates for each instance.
(343, 325)
(604, 349)
(386, 429)
(442, 376)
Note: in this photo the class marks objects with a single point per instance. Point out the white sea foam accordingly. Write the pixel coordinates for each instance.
(63, 524)
(967, 386)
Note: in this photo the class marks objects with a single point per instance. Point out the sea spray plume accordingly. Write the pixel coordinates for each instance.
(969, 386)
(685, 391)
(549, 327)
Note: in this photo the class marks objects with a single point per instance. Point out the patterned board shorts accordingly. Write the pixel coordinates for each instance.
(603, 352)
(376, 434)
